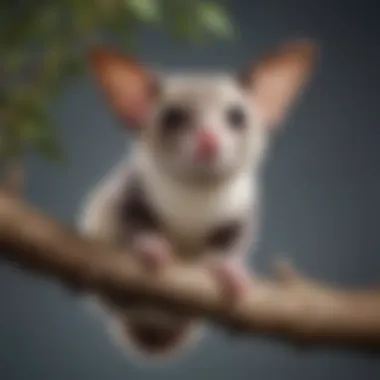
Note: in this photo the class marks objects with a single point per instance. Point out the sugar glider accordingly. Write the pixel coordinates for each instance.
(189, 188)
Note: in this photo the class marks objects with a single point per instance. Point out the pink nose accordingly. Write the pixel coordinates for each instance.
(206, 145)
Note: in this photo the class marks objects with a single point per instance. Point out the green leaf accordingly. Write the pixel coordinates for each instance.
(14, 60)
(123, 26)
(182, 20)
(72, 67)
(46, 140)
(50, 148)
(58, 31)
(29, 131)
(215, 19)
(3, 141)
(145, 10)
(34, 129)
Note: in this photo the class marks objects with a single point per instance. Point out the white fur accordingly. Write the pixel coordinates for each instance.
(190, 211)
(97, 216)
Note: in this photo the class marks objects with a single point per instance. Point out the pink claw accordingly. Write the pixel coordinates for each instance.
(233, 279)
(153, 250)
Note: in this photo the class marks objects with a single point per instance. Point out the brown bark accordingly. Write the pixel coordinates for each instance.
(291, 307)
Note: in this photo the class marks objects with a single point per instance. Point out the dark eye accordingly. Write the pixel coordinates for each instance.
(236, 117)
(174, 118)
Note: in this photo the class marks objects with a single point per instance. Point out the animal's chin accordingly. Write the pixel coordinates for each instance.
(203, 172)
(193, 171)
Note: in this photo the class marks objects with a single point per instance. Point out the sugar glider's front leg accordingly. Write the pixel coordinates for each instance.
(229, 246)
(117, 212)
(141, 228)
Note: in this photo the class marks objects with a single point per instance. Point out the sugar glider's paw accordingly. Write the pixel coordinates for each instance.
(233, 278)
(153, 250)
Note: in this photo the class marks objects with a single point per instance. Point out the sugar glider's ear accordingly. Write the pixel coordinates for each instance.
(275, 81)
(128, 86)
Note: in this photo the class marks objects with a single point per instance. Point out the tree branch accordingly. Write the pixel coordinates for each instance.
(291, 307)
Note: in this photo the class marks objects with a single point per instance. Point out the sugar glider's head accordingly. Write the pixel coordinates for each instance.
(204, 126)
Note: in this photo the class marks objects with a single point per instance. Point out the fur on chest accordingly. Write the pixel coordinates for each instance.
(190, 213)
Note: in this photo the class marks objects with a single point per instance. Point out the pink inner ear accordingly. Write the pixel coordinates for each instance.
(126, 84)
(279, 77)
(132, 102)
(136, 111)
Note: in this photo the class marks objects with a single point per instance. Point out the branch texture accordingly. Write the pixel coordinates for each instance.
(290, 307)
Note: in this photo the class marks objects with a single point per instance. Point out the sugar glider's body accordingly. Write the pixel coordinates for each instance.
(189, 189)
(215, 222)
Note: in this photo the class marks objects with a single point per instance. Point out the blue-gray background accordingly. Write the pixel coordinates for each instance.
(321, 207)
